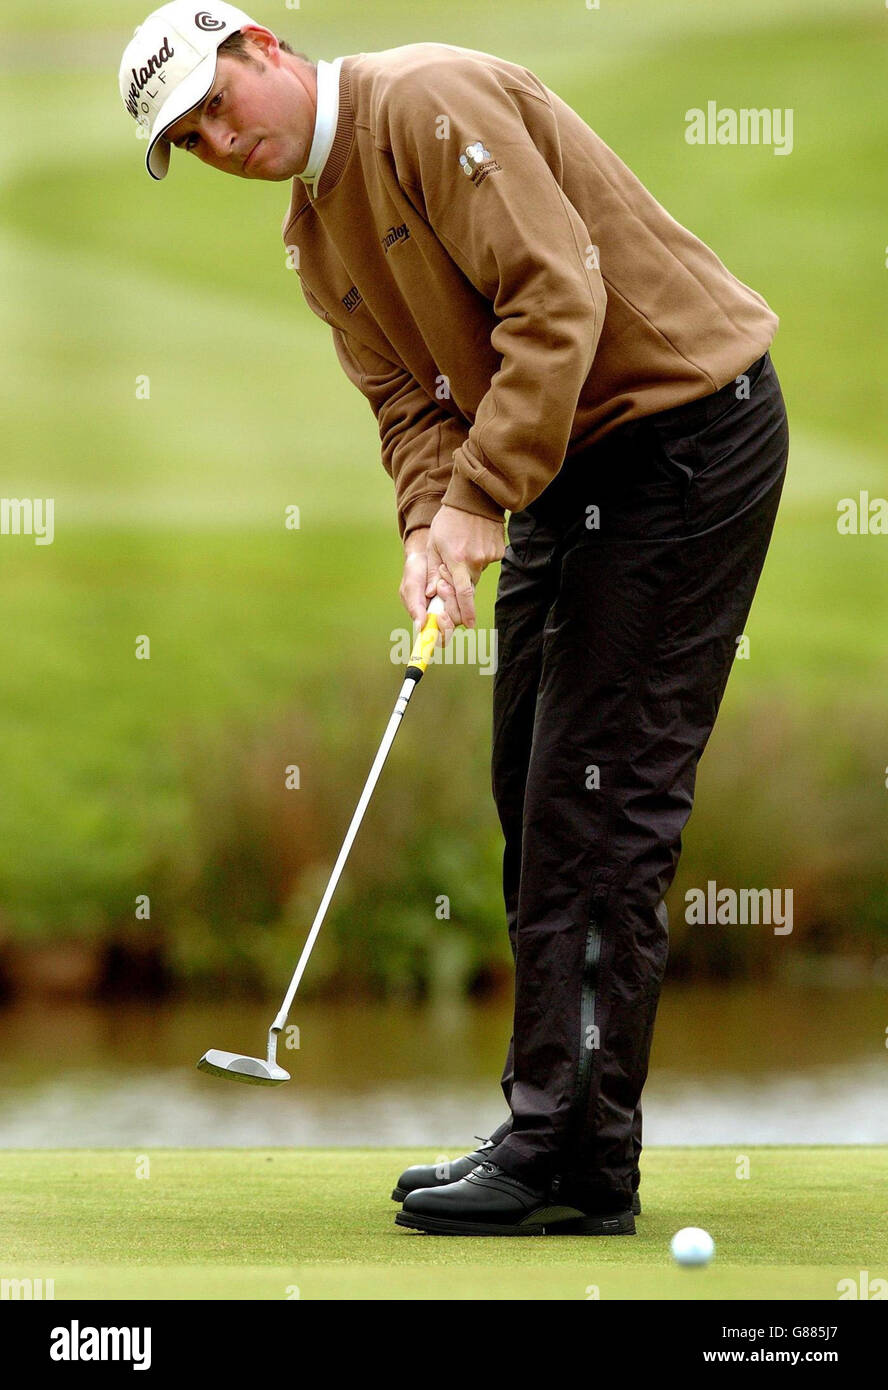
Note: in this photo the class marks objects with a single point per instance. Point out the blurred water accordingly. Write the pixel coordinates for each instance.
(730, 1066)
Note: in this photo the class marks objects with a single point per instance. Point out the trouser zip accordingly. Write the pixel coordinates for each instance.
(589, 1040)
(588, 1032)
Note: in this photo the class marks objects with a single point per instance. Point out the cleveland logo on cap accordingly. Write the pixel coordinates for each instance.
(169, 66)
(143, 76)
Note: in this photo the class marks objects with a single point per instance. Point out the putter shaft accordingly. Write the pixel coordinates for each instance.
(419, 659)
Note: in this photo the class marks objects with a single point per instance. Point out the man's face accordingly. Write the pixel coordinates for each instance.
(258, 118)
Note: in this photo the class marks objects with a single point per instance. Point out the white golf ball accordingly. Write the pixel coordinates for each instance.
(692, 1246)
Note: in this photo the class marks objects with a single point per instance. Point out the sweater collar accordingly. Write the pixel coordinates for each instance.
(326, 120)
(337, 157)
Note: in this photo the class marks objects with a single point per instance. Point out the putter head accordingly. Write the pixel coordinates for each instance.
(253, 1070)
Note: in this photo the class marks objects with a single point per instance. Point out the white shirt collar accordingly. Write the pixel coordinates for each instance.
(325, 123)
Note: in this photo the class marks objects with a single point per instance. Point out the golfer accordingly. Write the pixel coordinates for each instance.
(538, 337)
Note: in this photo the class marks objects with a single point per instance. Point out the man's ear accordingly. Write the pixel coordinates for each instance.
(265, 40)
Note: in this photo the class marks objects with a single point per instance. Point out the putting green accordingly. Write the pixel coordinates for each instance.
(318, 1224)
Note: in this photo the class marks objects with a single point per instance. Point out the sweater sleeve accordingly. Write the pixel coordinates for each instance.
(491, 193)
(418, 436)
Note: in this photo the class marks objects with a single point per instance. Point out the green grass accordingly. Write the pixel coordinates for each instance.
(169, 511)
(239, 1224)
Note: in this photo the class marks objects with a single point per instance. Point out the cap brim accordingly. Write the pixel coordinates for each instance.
(190, 91)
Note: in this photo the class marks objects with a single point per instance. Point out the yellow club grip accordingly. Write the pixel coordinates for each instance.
(424, 645)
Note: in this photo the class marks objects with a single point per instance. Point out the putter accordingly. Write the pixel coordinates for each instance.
(254, 1070)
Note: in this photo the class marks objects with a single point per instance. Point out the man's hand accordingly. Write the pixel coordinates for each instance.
(416, 575)
(460, 547)
(418, 578)
(454, 550)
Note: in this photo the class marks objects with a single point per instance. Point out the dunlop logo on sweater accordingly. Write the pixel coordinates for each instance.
(393, 236)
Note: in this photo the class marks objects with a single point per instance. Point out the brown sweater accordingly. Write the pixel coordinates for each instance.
(502, 306)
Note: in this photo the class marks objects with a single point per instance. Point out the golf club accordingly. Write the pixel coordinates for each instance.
(255, 1071)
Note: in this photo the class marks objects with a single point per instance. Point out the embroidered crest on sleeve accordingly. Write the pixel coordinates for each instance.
(477, 162)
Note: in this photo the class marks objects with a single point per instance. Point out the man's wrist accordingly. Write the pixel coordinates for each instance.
(420, 513)
(467, 496)
(416, 540)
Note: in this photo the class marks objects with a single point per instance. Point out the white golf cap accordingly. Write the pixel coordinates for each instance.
(169, 65)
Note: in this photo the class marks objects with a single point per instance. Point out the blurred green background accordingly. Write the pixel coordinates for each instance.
(270, 647)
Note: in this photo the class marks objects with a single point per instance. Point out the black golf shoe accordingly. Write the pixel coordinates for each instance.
(442, 1174)
(489, 1202)
(439, 1174)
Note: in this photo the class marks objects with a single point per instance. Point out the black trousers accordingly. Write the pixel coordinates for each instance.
(621, 596)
